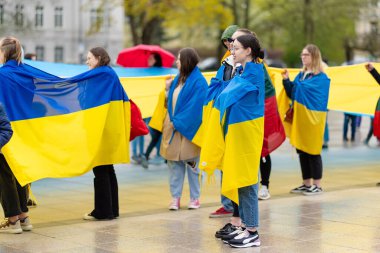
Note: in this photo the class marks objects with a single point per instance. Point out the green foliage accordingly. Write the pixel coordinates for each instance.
(291, 24)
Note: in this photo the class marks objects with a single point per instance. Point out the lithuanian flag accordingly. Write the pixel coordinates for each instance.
(63, 127)
(274, 133)
(234, 134)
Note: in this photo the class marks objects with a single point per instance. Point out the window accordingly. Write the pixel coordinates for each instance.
(19, 16)
(39, 22)
(58, 17)
(40, 53)
(95, 17)
(1, 14)
(58, 54)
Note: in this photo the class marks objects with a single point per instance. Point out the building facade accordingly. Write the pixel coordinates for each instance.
(64, 30)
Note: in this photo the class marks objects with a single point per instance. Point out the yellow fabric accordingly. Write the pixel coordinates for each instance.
(352, 88)
(240, 167)
(159, 113)
(213, 144)
(100, 135)
(309, 141)
(226, 54)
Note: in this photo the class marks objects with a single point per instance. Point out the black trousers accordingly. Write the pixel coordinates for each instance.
(106, 193)
(311, 165)
(265, 169)
(13, 195)
(155, 134)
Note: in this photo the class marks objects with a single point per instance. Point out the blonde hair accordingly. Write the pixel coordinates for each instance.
(11, 48)
(316, 59)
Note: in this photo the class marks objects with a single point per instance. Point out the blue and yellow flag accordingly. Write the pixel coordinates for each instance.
(310, 97)
(187, 114)
(63, 127)
(235, 132)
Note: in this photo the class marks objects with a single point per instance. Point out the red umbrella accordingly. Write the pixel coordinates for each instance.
(137, 56)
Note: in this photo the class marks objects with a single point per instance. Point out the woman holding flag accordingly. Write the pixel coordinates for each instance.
(305, 120)
(234, 140)
(180, 143)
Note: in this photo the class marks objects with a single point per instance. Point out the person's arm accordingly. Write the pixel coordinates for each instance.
(5, 128)
(373, 72)
(288, 85)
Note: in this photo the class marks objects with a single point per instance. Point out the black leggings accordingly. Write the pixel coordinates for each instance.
(311, 165)
(265, 169)
(13, 195)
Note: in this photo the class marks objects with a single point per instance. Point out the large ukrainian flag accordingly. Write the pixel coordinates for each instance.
(63, 127)
(234, 134)
(310, 109)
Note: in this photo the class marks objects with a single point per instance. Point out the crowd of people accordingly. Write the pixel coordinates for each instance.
(233, 124)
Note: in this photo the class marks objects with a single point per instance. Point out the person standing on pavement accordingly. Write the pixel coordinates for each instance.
(13, 195)
(305, 120)
(106, 204)
(179, 145)
(376, 120)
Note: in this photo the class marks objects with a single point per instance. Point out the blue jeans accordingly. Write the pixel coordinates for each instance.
(177, 170)
(138, 142)
(249, 205)
(226, 202)
(349, 117)
(326, 135)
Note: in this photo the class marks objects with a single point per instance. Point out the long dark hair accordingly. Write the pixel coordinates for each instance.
(102, 55)
(251, 41)
(189, 59)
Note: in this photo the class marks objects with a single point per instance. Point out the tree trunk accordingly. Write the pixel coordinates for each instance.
(308, 22)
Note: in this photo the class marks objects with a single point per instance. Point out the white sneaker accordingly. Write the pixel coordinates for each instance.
(264, 193)
(10, 227)
(26, 225)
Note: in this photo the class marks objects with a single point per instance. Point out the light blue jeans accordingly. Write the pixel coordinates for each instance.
(226, 202)
(249, 205)
(177, 170)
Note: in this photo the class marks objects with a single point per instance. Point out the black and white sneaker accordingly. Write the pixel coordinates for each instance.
(300, 189)
(245, 239)
(228, 228)
(313, 190)
(232, 235)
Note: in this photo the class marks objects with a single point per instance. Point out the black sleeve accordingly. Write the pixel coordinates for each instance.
(288, 85)
(375, 75)
(5, 128)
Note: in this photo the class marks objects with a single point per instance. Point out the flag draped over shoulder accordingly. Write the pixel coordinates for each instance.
(352, 88)
(310, 108)
(63, 127)
(187, 115)
(235, 132)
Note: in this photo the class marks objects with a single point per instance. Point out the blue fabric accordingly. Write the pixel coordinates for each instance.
(187, 115)
(248, 87)
(68, 70)
(313, 91)
(5, 128)
(35, 93)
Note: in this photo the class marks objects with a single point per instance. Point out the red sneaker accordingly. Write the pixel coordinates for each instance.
(221, 212)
